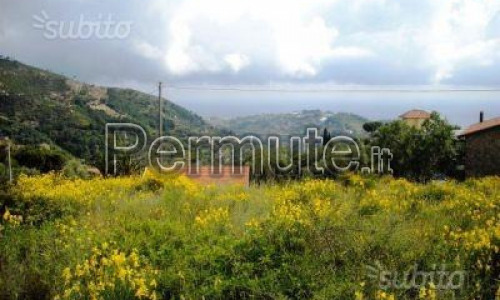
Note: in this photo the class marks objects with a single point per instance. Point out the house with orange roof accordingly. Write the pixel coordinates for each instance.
(415, 117)
(482, 147)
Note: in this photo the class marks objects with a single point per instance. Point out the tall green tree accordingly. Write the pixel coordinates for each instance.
(326, 136)
(419, 153)
(371, 127)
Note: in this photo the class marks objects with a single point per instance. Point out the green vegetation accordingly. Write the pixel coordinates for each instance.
(156, 237)
(39, 107)
(371, 127)
(294, 123)
(420, 153)
(40, 158)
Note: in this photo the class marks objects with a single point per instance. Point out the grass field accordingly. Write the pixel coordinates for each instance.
(155, 237)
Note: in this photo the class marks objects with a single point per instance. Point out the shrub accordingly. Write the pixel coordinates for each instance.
(40, 158)
(75, 169)
(309, 239)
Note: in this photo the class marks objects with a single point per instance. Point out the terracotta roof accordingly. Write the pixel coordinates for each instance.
(482, 126)
(415, 114)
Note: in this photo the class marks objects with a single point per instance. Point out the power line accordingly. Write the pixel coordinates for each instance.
(287, 90)
(329, 90)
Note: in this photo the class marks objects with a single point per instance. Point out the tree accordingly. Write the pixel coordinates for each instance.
(371, 127)
(326, 136)
(419, 153)
(40, 158)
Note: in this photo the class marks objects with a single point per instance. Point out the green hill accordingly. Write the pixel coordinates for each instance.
(294, 123)
(40, 107)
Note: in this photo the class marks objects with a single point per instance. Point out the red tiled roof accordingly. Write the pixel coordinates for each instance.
(415, 114)
(482, 126)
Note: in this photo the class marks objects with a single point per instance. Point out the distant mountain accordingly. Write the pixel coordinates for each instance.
(40, 107)
(294, 123)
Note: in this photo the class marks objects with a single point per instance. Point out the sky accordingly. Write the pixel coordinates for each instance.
(291, 45)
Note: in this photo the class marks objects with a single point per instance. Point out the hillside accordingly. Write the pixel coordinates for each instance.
(293, 123)
(40, 107)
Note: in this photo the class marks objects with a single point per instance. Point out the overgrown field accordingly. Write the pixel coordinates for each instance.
(155, 237)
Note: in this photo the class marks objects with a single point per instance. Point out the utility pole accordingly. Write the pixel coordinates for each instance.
(10, 163)
(160, 107)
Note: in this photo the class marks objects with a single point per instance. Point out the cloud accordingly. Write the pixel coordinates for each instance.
(292, 36)
(147, 50)
(261, 41)
(237, 61)
(302, 51)
(457, 34)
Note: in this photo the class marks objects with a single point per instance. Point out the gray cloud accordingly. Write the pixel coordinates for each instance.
(409, 42)
(395, 34)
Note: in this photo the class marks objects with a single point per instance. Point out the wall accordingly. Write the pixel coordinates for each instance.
(482, 156)
(205, 177)
(414, 122)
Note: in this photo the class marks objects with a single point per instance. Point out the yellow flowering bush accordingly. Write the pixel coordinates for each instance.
(382, 295)
(308, 239)
(213, 217)
(51, 195)
(109, 274)
(13, 220)
(428, 293)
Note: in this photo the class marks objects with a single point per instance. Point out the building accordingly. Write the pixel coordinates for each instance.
(204, 175)
(226, 176)
(415, 117)
(482, 148)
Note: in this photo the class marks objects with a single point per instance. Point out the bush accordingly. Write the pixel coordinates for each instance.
(149, 184)
(75, 169)
(309, 239)
(40, 158)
